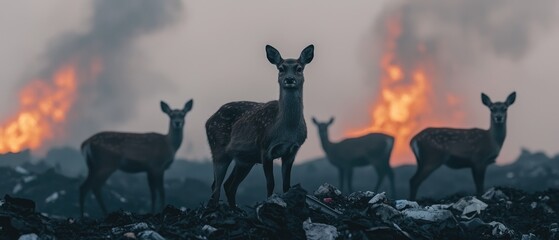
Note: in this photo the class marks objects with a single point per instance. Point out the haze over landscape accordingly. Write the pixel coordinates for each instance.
(214, 53)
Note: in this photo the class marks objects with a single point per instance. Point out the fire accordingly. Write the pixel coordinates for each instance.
(406, 102)
(43, 105)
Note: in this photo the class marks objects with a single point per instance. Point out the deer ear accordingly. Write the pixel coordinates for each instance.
(510, 99)
(314, 121)
(486, 100)
(273, 55)
(165, 107)
(187, 106)
(307, 55)
(331, 121)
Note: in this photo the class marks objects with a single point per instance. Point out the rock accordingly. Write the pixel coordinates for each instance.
(379, 198)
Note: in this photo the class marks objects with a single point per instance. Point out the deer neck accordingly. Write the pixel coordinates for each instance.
(174, 137)
(325, 141)
(498, 131)
(290, 108)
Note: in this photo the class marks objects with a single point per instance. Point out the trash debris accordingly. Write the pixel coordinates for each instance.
(327, 189)
(403, 204)
(136, 227)
(469, 206)
(315, 204)
(430, 215)
(494, 195)
(319, 231)
(529, 236)
(31, 236)
(328, 200)
(379, 198)
(500, 230)
(356, 196)
(21, 170)
(150, 235)
(52, 197)
(130, 235)
(208, 229)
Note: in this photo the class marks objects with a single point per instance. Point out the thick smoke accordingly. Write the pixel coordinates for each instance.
(108, 47)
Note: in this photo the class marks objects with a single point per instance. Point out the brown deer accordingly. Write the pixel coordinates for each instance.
(251, 132)
(461, 148)
(371, 149)
(152, 153)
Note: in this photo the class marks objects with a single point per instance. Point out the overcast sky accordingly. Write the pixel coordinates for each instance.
(215, 54)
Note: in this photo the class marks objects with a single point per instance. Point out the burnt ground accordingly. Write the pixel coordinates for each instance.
(508, 214)
(526, 203)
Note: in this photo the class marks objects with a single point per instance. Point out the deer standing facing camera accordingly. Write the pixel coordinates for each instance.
(252, 133)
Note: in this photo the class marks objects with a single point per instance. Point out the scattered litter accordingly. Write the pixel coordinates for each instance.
(500, 230)
(495, 195)
(356, 196)
(402, 204)
(430, 215)
(52, 197)
(21, 170)
(129, 235)
(150, 235)
(135, 227)
(327, 189)
(29, 178)
(208, 229)
(319, 231)
(17, 188)
(469, 206)
(534, 205)
(529, 236)
(315, 204)
(379, 198)
(275, 198)
(31, 236)
(328, 200)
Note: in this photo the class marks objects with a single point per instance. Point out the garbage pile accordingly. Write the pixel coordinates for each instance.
(501, 213)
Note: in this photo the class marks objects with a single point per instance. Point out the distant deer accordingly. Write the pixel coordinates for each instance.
(373, 149)
(152, 153)
(251, 132)
(461, 148)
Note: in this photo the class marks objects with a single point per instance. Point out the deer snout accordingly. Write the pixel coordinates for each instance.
(290, 82)
(178, 124)
(499, 118)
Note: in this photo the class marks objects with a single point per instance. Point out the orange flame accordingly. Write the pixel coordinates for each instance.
(406, 102)
(43, 105)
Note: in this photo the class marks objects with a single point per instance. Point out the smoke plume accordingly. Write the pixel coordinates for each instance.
(108, 49)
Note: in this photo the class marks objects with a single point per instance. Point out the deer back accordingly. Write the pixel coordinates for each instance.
(142, 149)
(373, 145)
(459, 143)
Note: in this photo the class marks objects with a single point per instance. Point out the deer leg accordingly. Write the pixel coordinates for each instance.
(240, 171)
(161, 190)
(268, 166)
(98, 182)
(153, 185)
(350, 179)
(220, 169)
(381, 173)
(84, 189)
(286, 165)
(423, 171)
(390, 174)
(479, 177)
(341, 175)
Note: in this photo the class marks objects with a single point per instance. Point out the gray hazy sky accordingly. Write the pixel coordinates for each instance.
(215, 54)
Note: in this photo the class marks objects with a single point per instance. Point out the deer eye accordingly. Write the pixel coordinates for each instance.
(299, 69)
(281, 69)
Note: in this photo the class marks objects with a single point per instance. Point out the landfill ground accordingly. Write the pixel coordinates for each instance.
(501, 213)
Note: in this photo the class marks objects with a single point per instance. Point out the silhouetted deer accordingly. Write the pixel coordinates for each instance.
(251, 132)
(152, 153)
(371, 149)
(461, 148)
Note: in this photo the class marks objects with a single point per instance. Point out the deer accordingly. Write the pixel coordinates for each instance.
(258, 133)
(461, 148)
(373, 149)
(153, 153)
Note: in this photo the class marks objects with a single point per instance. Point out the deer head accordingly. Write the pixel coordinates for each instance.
(290, 76)
(176, 115)
(498, 109)
(323, 126)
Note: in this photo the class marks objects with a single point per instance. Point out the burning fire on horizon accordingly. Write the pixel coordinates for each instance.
(407, 101)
